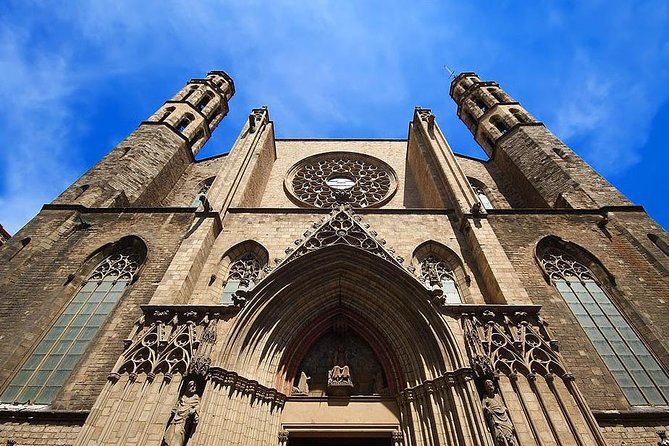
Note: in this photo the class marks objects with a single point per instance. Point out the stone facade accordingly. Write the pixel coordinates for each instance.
(411, 280)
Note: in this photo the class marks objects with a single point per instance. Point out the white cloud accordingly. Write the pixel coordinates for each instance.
(37, 125)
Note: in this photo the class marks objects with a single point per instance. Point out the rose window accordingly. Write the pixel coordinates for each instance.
(326, 180)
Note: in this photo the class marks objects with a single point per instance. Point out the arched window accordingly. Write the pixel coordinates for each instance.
(185, 121)
(243, 273)
(636, 370)
(499, 124)
(202, 192)
(168, 111)
(520, 116)
(497, 94)
(190, 91)
(481, 105)
(204, 101)
(51, 363)
(434, 271)
(480, 194)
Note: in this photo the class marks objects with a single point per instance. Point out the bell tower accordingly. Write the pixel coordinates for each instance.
(143, 168)
(547, 172)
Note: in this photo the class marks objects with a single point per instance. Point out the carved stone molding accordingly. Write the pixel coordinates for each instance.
(246, 387)
(168, 340)
(560, 266)
(342, 227)
(330, 179)
(450, 379)
(511, 343)
(283, 437)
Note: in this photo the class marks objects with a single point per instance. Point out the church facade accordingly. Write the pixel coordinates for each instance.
(336, 292)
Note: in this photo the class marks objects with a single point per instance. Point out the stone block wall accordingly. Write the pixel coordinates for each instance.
(639, 292)
(39, 283)
(28, 433)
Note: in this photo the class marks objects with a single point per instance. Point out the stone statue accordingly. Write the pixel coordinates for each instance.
(497, 417)
(185, 417)
(339, 374)
(377, 384)
(302, 385)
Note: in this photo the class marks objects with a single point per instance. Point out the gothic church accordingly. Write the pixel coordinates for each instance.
(312, 292)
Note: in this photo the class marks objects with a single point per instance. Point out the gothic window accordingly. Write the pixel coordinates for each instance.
(480, 194)
(51, 363)
(636, 370)
(202, 192)
(243, 273)
(434, 271)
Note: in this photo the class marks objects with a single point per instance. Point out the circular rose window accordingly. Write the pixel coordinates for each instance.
(329, 179)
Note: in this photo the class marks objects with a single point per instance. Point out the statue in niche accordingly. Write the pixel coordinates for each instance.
(339, 375)
(497, 416)
(302, 387)
(184, 417)
(378, 386)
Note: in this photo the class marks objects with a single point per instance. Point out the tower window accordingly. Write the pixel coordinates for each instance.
(190, 91)
(499, 125)
(243, 274)
(519, 115)
(168, 111)
(435, 272)
(497, 94)
(481, 105)
(50, 365)
(203, 101)
(639, 375)
(185, 121)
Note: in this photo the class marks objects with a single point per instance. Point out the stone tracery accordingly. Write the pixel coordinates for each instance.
(334, 178)
(560, 266)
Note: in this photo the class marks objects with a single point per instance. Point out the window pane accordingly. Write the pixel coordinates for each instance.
(230, 287)
(54, 358)
(450, 292)
(638, 373)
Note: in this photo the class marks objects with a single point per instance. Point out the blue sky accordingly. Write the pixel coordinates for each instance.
(77, 77)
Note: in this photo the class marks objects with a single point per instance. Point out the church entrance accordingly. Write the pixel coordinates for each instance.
(339, 442)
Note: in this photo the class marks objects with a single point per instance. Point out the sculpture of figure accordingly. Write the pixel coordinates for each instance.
(377, 385)
(339, 375)
(185, 417)
(302, 385)
(497, 416)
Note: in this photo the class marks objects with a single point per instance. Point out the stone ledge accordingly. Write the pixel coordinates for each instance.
(645, 415)
(33, 412)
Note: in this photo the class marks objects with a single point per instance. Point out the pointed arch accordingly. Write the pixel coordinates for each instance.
(343, 281)
(631, 362)
(452, 261)
(51, 363)
(240, 266)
